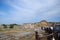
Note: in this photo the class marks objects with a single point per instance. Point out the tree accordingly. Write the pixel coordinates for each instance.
(15, 24)
(5, 26)
(11, 26)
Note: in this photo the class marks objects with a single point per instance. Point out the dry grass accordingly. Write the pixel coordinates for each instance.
(15, 31)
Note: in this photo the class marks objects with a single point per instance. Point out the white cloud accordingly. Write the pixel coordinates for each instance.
(32, 9)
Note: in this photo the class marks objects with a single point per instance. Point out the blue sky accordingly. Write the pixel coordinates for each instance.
(28, 11)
